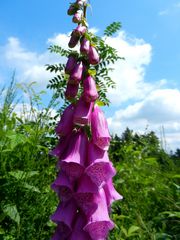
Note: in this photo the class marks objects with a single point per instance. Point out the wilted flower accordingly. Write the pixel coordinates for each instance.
(99, 126)
(85, 45)
(73, 161)
(71, 91)
(93, 56)
(89, 89)
(76, 75)
(70, 64)
(82, 112)
(73, 40)
(99, 223)
(65, 125)
(99, 169)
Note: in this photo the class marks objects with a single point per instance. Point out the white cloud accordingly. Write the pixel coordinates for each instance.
(163, 12)
(159, 108)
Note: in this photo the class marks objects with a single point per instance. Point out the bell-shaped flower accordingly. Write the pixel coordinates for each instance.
(100, 169)
(99, 127)
(65, 125)
(93, 55)
(71, 63)
(74, 159)
(63, 187)
(111, 193)
(80, 30)
(71, 91)
(81, 2)
(77, 73)
(85, 45)
(64, 217)
(78, 233)
(77, 18)
(82, 112)
(90, 93)
(73, 40)
(99, 223)
(86, 195)
(61, 147)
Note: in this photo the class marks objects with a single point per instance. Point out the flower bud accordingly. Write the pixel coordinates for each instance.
(77, 16)
(71, 91)
(82, 112)
(80, 30)
(99, 127)
(93, 56)
(70, 64)
(81, 2)
(85, 45)
(72, 10)
(73, 40)
(77, 72)
(65, 125)
(90, 93)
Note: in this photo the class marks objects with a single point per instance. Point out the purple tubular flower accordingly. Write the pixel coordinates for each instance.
(65, 125)
(78, 233)
(73, 40)
(99, 127)
(73, 161)
(85, 45)
(77, 16)
(76, 75)
(90, 93)
(80, 30)
(71, 63)
(60, 148)
(63, 187)
(111, 193)
(93, 56)
(86, 195)
(100, 169)
(99, 223)
(64, 217)
(71, 91)
(82, 112)
(81, 2)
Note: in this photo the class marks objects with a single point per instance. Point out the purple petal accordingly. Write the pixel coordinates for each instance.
(72, 10)
(61, 147)
(64, 217)
(93, 56)
(78, 233)
(65, 125)
(80, 30)
(111, 193)
(99, 127)
(90, 92)
(77, 16)
(70, 64)
(83, 112)
(76, 75)
(100, 169)
(85, 44)
(73, 161)
(73, 40)
(71, 91)
(99, 223)
(63, 187)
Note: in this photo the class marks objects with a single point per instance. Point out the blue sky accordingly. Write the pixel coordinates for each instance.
(151, 31)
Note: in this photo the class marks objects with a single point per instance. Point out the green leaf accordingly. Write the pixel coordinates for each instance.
(31, 188)
(11, 211)
(100, 103)
(132, 229)
(92, 72)
(124, 231)
(19, 175)
(112, 28)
